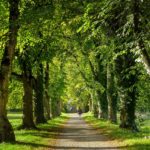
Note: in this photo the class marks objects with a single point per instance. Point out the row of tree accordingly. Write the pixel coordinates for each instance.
(89, 53)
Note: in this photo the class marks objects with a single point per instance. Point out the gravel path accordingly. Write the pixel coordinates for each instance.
(78, 135)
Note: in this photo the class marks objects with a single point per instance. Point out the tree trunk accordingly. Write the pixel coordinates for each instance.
(90, 105)
(100, 76)
(56, 107)
(6, 130)
(47, 97)
(126, 82)
(39, 93)
(127, 115)
(59, 107)
(28, 122)
(111, 95)
(103, 105)
(94, 103)
(102, 97)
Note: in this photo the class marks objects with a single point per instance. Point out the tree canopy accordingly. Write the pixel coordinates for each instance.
(61, 55)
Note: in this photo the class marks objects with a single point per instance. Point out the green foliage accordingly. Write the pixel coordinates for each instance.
(15, 95)
(79, 39)
(143, 103)
(4, 19)
(57, 76)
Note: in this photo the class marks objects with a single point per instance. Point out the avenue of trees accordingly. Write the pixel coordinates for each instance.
(60, 54)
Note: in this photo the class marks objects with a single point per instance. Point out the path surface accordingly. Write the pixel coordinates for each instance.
(78, 135)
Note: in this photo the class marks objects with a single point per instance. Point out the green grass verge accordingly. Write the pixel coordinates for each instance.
(34, 139)
(126, 139)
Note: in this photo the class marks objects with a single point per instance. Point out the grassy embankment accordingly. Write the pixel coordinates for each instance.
(34, 139)
(126, 139)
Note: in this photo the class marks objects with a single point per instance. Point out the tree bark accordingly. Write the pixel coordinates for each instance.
(127, 89)
(39, 95)
(111, 95)
(103, 105)
(94, 104)
(6, 130)
(26, 78)
(95, 110)
(90, 105)
(28, 122)
(56, 107)
(47, 97)
(102, 97)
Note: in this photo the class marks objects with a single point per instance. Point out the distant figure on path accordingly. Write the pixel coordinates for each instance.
(80, 111)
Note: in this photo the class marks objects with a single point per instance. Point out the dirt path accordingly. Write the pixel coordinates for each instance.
(78, 135)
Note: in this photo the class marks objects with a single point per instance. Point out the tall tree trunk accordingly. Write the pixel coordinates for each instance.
(56, 107)
(95, 110)
(111, 95)
(126, 81)
(90, 105)
(6, 130)
(102, 97)
(94, 103)
(47, 97)
(28, 122)
(103, 105)
(59, 104)
(39, 93)
(100, 77)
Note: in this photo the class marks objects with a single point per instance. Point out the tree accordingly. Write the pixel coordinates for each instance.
(6, 131)
(27, 79)
(56, 86)
(47, 96)
(39, 96)
(125, 64)
(111, 94)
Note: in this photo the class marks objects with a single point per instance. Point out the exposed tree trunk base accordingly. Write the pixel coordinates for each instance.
(95, 110)
(131, 127)
(47, 106)
(38, 121)
(28, 122)
(113, 119)
(47, 116)
(127, 114)
(112, 110)
(103, 106)
(27, 127)
(6, 131)
(103, 115)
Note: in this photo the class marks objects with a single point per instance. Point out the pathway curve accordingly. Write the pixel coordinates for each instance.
(78, 135)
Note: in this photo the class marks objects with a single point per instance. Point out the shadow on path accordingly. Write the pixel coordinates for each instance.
(77, 134)
(52, 147)
(64, 147)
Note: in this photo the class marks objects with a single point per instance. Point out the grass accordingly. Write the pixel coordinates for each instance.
(39, 139)
(126, 139)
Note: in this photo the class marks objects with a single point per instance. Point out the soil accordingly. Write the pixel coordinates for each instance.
(78, 135)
